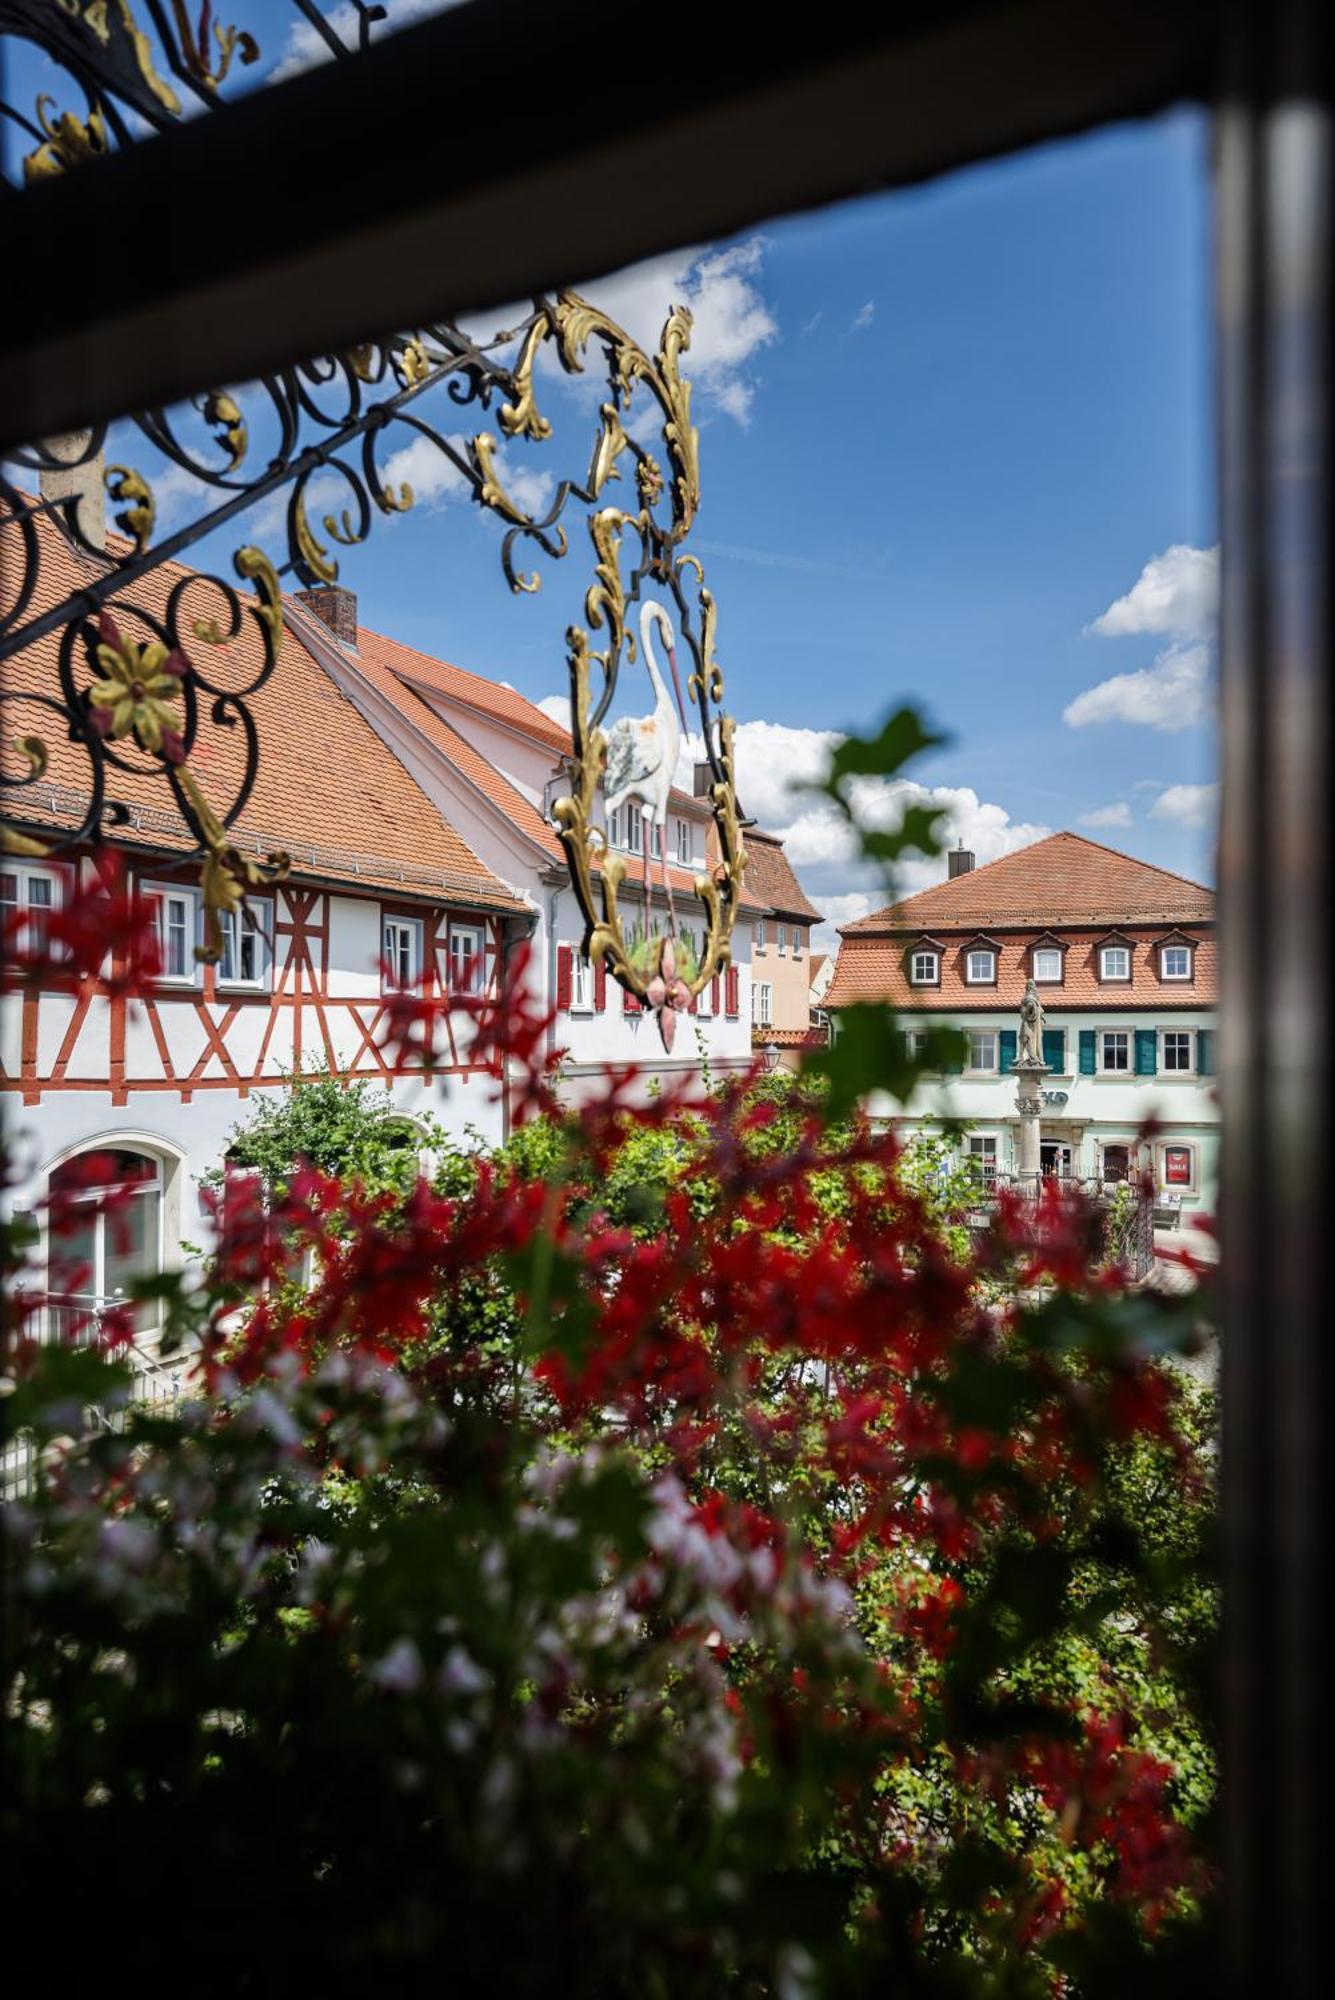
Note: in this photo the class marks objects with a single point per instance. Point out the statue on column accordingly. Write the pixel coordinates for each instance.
(1031, 1027)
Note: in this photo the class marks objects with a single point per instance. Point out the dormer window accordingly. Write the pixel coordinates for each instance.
(980, 966)
(1114, 962)
(1175, 961)
(1047, 961)
(925, 967)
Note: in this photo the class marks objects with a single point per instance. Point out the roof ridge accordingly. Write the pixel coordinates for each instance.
(546, 723)
(1067, 833)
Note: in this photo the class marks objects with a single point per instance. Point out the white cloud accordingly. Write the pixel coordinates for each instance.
(436, 480)
(732, 321)
(305, 47)
(1177, 593)
(1118, 815)
(839, 910)
(1172, 694)
(558, 707)
(1187, 805)
(863, 317)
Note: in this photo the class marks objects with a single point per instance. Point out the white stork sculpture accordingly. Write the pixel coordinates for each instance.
(642, 753)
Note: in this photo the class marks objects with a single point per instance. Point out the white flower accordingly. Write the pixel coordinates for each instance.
(399, 1671)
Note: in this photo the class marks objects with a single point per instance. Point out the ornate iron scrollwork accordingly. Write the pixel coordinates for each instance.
(135, 690)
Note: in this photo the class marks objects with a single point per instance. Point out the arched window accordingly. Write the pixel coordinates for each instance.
(105, 1232)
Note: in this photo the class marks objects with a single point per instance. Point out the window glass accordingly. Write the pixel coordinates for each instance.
(174, 916)
(1047, 964)
(94, 1264)
(403, 953)
(1116, 1049)
(982, 1048)
(1177, 1166)
(245, 952)
(783, 937)
(981, 967)
(581, 983)
(1176, 961)
(982, 1154)
(467, 964)
(1177, 1049)
(760, 933)
(683, 840)
(924, 968)
(1116, 961)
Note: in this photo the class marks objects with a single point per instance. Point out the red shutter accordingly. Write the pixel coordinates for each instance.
(629, 1003)
(734, 992)
(713, 994)
(600, 985)
(563, 978)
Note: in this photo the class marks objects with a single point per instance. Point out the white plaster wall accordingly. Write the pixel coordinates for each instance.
(355, 948)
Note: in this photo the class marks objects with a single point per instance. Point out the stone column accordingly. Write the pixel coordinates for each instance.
(1029, 1077)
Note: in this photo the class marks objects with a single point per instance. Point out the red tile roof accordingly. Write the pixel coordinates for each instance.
(789, 1038)
(328, 790)
(491, 782)
(1065, 885)
(492, 699)
(770, 878)
(1059, 881)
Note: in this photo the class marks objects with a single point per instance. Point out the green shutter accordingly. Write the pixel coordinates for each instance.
(1089, 1052)
(1147, 1051)
(1205, 1052)
(1006, 1045)
(954, 1066)
(1054, 1049)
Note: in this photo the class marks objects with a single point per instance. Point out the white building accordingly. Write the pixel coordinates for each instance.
(1123, 957)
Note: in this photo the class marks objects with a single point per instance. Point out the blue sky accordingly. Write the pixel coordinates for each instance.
(944, 432)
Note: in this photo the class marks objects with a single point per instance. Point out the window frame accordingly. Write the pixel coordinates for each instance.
(685, 851)
(1161, 1180)
(581, 982)
(230, 922)
(1047, 951)
(389, 979)
(924, 952)
(758, 941)
(1127, 1068)
(477, 957)
(161, 894)
(988, 978)
(762, 1003)
(971, 1068)
(1171, 1069)
(25, 873)
(1177, 978)
(976, 1149)
(95, 1298)
(1107, 978)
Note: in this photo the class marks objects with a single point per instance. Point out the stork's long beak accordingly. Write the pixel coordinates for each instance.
(676, 682)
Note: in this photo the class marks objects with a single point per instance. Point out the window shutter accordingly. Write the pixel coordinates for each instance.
(1089, 1052)
(1147, 1052)
(953, 1065)
(629, 1001)
(564, 962)
(1205, 1052)
(713, 994)
(600, 985)
(1054, 1048)
(733, 987)
(1006, 1047)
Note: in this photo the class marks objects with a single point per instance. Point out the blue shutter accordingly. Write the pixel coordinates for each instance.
(1147, 1051)
(1089, 1053)
(1205, 1052)
(1006, 1045)
(1054, 1049)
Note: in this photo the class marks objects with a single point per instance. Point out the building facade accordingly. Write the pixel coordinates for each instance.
(1124, 962)
(780, 953)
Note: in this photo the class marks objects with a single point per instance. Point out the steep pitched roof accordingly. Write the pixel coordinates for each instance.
(1063, 880)
(1065, 885)
(770, 879)
(490, 698)
(327, 790)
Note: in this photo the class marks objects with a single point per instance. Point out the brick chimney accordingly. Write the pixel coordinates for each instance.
(959, 861)
(334, 607)
(84, 484)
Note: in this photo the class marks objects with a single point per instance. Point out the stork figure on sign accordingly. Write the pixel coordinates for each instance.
(642, 754)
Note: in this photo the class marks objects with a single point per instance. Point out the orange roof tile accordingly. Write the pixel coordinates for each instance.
(1062, 880)
(327, 788)
(489, 698)
(1065, 886)
(770, 877)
